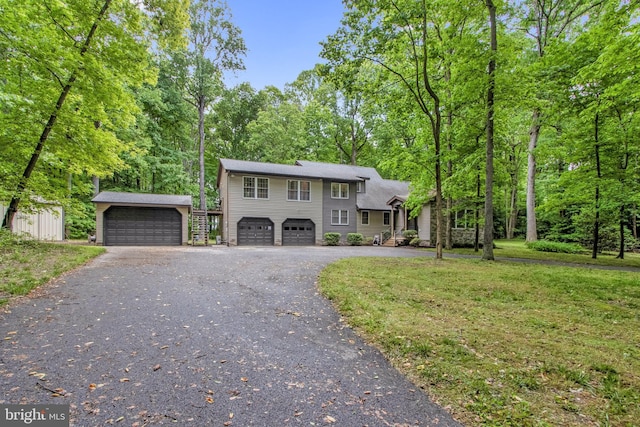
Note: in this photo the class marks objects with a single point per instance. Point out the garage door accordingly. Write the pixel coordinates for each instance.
(131, 226)
(255, 231)
(298, 232)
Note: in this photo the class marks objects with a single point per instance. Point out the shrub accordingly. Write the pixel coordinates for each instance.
(355, 239)
(332, 239)
(409, 234)
(547, 246)
(16, 240)
(415, 242)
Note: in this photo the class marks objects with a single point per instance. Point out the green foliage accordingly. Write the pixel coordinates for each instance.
(80, 221)
(560, 247)
(409, 234)
(415, 242)
(80, 82)
(332, 238)
(19, 274)
(14, 241)
(355, 239)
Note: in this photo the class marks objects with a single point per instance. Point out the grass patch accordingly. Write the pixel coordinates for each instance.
(518, 249)
(558, 247)
(502, 344)
(26, 264)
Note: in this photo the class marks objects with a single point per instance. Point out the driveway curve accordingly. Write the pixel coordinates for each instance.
(211, 336)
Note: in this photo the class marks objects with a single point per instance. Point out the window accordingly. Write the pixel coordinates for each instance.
(255, 188)
(360, 187)
(386, 218)
(364, 217)
(339, 217)
(463, 219)
(339, 190)
(298, 190)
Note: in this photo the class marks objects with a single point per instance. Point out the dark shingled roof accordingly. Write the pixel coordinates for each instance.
(142, 199)
(320, 170)
(378, 191)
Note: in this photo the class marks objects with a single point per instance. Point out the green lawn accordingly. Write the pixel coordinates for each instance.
(502, 343)
(26, 264)
(517, 249)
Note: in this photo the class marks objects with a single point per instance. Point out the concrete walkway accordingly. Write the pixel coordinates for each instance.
(210, 336)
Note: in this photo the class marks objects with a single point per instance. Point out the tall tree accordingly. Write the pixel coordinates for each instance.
(487, 245)
(216, 45)
(81, 59)
(545, 22)
(395, 35)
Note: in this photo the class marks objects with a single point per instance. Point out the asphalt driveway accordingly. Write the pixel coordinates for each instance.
(210, 336)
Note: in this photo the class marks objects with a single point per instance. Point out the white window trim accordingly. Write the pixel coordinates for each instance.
(340, 211)
(340, 191)
(255, 188)
(362, 218)
(464, 220)
(299, 192)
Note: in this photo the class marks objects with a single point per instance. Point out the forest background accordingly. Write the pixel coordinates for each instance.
(517, 116)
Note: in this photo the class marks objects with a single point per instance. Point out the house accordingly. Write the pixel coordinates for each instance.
(46, 223)
(135, 219)
(277, 204)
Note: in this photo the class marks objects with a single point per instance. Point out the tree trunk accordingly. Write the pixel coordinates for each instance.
(513, 213)
(201, 108)
(476, 242)
(621, 252)
(448, 241)
(449, 226)
(96, 185)
(512, 195)
(439, 218)
(487, 244)
(596, 223)
(7, 221)
(534, 133)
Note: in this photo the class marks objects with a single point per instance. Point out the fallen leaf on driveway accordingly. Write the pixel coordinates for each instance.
(37, 374)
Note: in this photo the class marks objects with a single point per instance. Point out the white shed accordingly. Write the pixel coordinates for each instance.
(45, 224)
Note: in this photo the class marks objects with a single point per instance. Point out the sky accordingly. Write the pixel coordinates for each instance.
(282, 37)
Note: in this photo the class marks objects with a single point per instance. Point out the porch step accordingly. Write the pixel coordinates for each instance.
(394, 241)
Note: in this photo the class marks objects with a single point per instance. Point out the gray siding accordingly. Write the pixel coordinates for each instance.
(277, 208)
(330, 204)
(375, 227)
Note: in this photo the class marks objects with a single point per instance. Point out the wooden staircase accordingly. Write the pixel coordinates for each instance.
(394, 241)
(199, 228)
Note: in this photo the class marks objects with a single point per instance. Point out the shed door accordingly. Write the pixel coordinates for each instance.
(135, 226)
(301, 232)
(255, 231)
